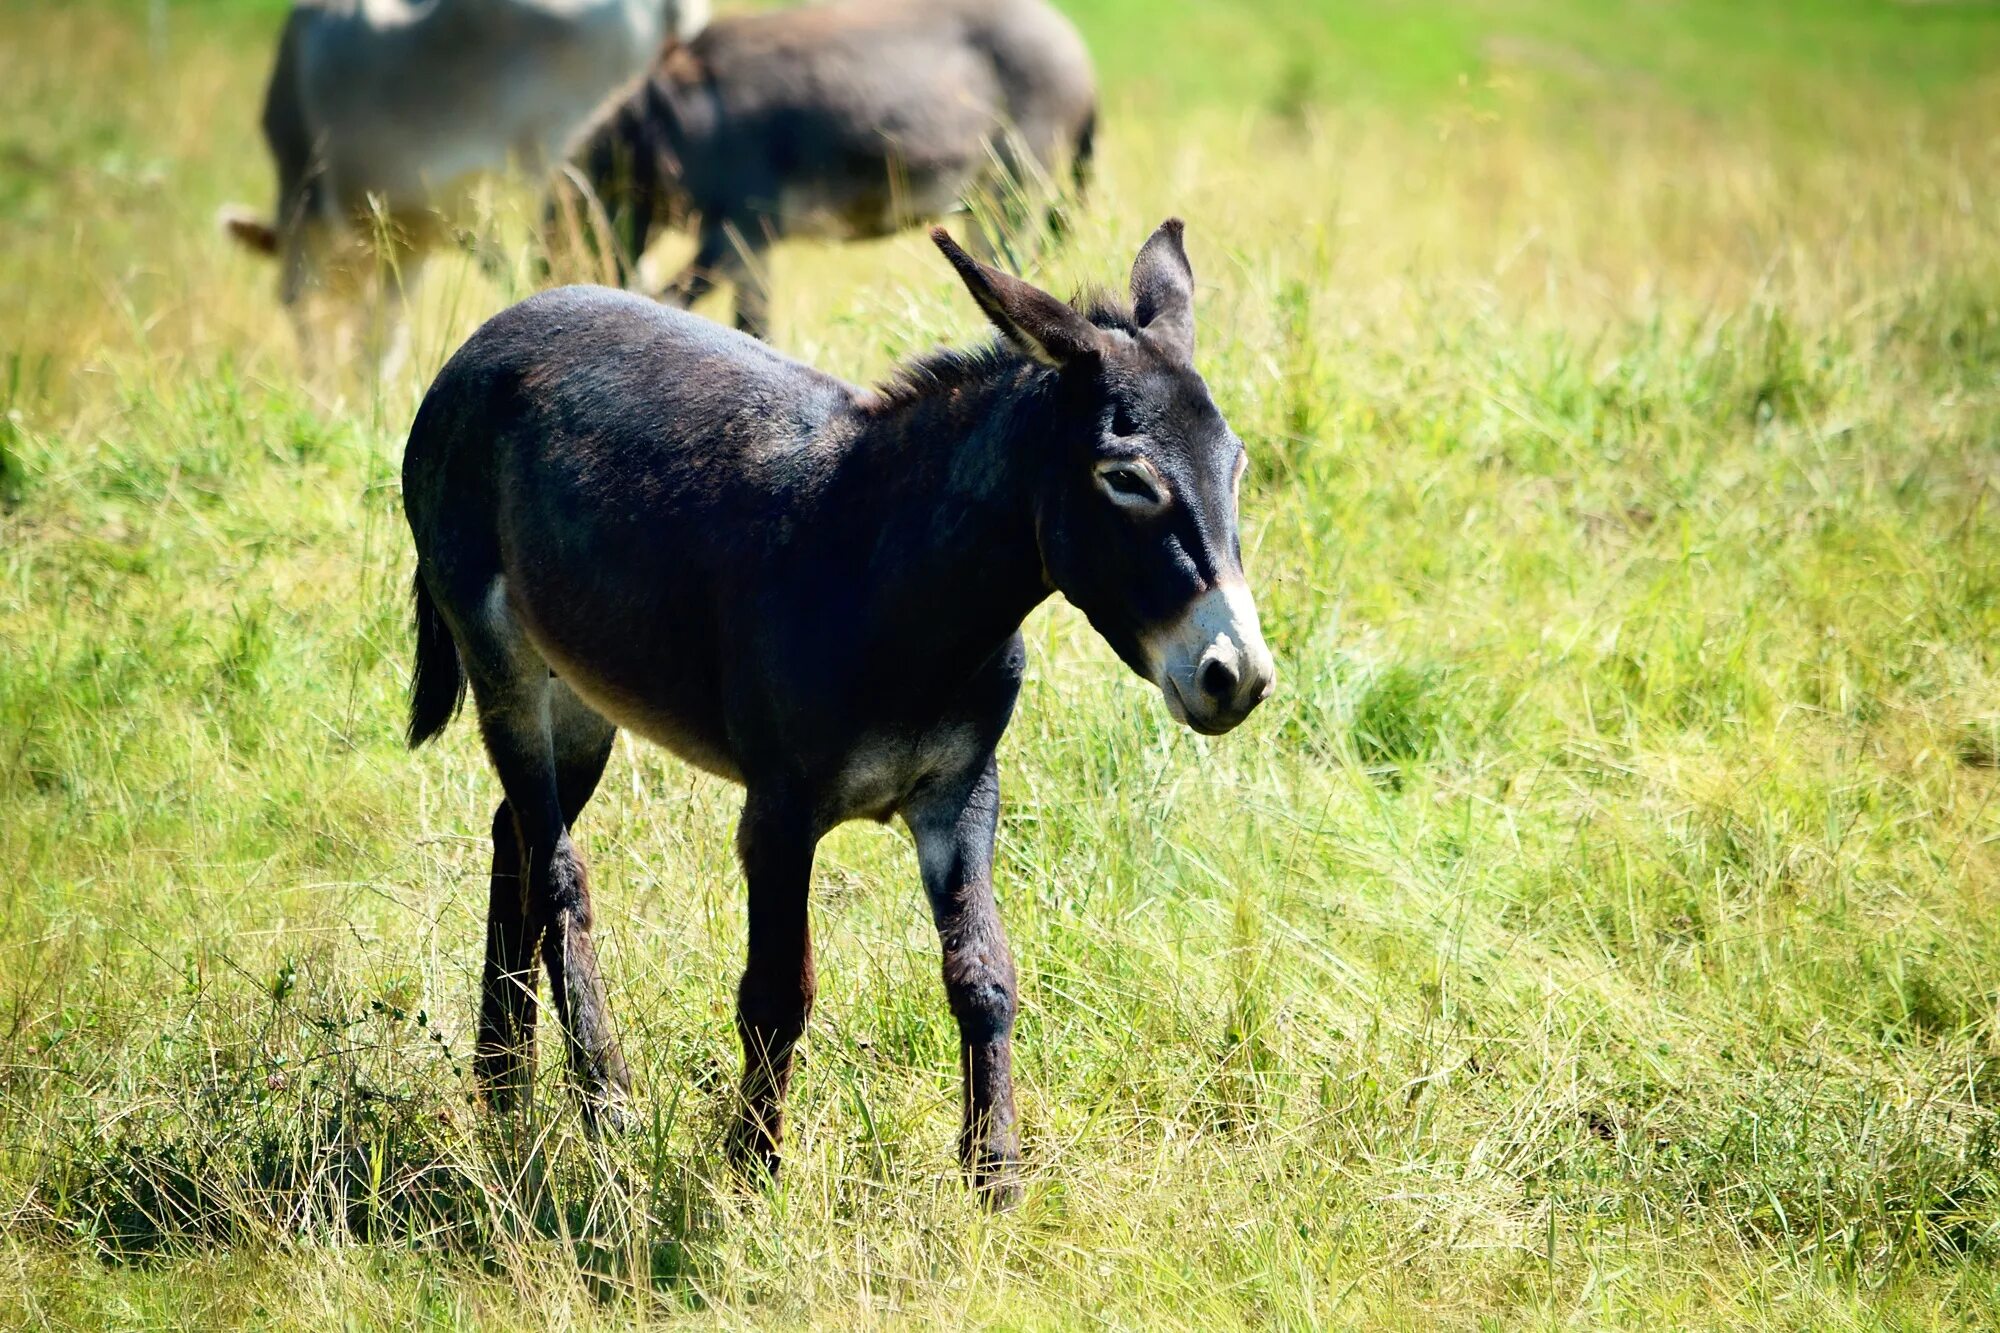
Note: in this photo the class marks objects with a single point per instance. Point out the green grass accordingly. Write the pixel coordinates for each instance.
(1600, 928)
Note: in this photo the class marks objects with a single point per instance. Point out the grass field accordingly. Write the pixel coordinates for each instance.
(1600, 928)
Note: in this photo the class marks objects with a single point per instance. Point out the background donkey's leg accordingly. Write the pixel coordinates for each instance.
(953, 824)
(775, 840)
(732, 253)
(1007, 201)
(396, 279)
(748, 244)
(709, 266)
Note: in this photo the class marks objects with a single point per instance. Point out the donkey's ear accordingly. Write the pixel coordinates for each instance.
(1050, 331)
(1163, 290)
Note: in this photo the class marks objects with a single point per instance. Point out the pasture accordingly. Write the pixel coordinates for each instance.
(1599, 927)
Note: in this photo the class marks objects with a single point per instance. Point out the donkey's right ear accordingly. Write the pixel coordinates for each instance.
(1040, 326)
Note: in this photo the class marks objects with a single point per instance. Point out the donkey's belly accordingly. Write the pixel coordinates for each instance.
(697, 740)
(643, 692)
(879, 773)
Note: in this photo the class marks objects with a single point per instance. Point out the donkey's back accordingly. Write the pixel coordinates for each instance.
(629, 406)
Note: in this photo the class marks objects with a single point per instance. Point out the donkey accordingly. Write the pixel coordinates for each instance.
(626, 515)
(846, 121)
(382, 111)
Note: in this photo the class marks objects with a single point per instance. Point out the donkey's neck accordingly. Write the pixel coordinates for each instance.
(943, 472)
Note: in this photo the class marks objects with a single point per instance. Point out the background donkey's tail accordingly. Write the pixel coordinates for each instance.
(1057, 219)
(437, 685)
(1080, 163)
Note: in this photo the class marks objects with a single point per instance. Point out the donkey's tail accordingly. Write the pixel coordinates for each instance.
(437, 684)
(1082, 162)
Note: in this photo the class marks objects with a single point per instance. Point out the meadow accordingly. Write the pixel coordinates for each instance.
(1600, 927)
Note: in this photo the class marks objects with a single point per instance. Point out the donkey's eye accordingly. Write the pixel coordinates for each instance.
(1131, 485)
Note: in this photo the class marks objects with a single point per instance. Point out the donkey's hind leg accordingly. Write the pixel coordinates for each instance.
(731, 252)
(505, 1055)
(581, 743)
(549, 750)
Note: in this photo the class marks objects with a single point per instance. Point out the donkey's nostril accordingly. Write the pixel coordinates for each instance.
(1218, 680)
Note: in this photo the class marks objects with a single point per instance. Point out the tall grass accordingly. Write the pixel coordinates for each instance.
(1598, 928)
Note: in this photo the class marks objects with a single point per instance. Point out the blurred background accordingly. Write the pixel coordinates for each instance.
(1692, 143)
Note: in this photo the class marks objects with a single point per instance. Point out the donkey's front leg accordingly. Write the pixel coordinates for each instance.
(775, 840)
(953, 824)
(714, 262)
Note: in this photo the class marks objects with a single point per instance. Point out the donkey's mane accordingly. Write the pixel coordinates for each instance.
(936, 374)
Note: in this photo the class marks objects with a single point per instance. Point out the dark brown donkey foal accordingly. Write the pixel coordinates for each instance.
(628, 516)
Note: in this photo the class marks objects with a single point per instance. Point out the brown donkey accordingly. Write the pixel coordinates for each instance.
(628, 516)
(845, 120)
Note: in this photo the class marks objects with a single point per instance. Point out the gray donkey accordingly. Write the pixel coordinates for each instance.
(627, 516)
(850, 120)
(384, 110)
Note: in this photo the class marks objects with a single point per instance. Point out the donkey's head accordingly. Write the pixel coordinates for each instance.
(1135, 509)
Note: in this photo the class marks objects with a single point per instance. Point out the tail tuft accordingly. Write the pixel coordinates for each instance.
(437, 684)
(249, 230)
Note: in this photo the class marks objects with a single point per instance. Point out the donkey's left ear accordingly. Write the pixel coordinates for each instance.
(1040, 326)
(1163, 290)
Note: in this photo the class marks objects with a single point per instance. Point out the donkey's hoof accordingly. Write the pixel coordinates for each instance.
(609, 1116)
(996, 1180)
(752, 1153)
(503, 1091)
